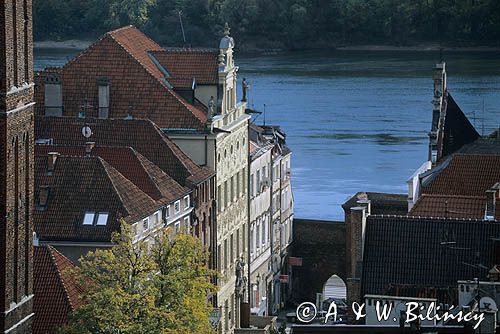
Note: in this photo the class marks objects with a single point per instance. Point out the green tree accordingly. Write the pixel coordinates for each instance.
(145, 288)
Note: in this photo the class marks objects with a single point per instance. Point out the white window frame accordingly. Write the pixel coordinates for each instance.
(186, 203)
(167, 211)
(177, 206)
(99, 221)
(146, 220)
(86, 216)
(186, 223)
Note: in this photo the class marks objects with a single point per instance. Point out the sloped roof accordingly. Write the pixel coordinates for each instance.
(81, 184)
(57, 292)
(131, 164)
(137, 84)
(185, 65)
(466, 175)
(142, 135)
(449, 206)
(425, 252)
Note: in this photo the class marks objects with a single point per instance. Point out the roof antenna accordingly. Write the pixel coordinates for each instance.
(182, 27)
(264, 114)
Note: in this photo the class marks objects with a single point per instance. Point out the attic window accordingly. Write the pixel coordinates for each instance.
(102, 219)
(88, 219)
(43, 198)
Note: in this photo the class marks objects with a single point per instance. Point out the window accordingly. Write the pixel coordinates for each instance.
(257, 238)
(186, 203)
(145, 224)
(88, 219)
(238, 243)
(251, 185)
(167, 211)
(251, 239)
(219, 198)
(177, 227)
(177, 206)
(263, 233)
(244, 240)
(156, 218)
(226, 197)
(43, 198)
(219, 258)
(102, 219)
(186, 223)
(244, 180)
(264, 172)
(232, 188)
(257, 182)
(231, 250)
(238, 188)
(225, 253)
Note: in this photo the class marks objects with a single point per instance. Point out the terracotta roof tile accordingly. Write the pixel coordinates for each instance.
(142, 135)
(57, 292)
(466, 175)
(449, 206)
(185, 65)
(81, 184)
(137, 85)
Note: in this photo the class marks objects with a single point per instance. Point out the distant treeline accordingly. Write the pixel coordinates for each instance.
(289, 24)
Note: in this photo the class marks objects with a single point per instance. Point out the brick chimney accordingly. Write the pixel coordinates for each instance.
(52, 161)
(89, 146)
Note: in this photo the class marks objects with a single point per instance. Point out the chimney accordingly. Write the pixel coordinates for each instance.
(89, 146)
(52, 161)
(491, 198)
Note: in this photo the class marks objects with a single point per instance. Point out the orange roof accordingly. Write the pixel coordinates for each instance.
(57, 292)
(137, 83)
(450, 206)
(185, 65)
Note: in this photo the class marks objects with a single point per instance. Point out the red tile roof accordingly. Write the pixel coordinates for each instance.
(137, 84)
(57, 292)
(185, 65)
(131, 164)
(450, 206)
(466, 175)
(142, 135)
(81, 184)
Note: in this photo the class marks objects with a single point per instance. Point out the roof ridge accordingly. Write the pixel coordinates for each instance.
(140, 158)
(112, 178)
(85, 51)
(51, 250)
(453, 196)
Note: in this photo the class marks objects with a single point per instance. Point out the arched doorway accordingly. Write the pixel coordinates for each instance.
(335, 288)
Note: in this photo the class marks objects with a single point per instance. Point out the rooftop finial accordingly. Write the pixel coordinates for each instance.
(226, 29)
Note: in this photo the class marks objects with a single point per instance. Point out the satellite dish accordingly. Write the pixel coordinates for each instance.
(86, 132)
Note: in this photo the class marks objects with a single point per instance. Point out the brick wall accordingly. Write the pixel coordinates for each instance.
(16, 166)
(322, 246)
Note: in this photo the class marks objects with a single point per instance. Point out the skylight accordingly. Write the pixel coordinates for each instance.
(102, 218)
(88, 219)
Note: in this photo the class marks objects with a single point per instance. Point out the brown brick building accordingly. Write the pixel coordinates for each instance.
(16, 166)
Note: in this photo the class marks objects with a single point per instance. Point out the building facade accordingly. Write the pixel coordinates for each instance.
(16, 167)
(261, 275)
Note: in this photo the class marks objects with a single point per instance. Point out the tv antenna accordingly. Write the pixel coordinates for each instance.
(182, 27)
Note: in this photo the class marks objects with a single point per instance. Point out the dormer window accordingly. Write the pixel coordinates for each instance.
(43, 198)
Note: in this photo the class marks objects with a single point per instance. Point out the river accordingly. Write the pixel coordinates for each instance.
(355, 120)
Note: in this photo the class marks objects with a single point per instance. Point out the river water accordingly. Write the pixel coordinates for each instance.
(355, 120)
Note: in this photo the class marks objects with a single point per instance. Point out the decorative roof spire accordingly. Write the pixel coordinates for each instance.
(226, 29)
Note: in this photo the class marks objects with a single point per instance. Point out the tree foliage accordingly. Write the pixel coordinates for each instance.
(281, 23)
(143, 288)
